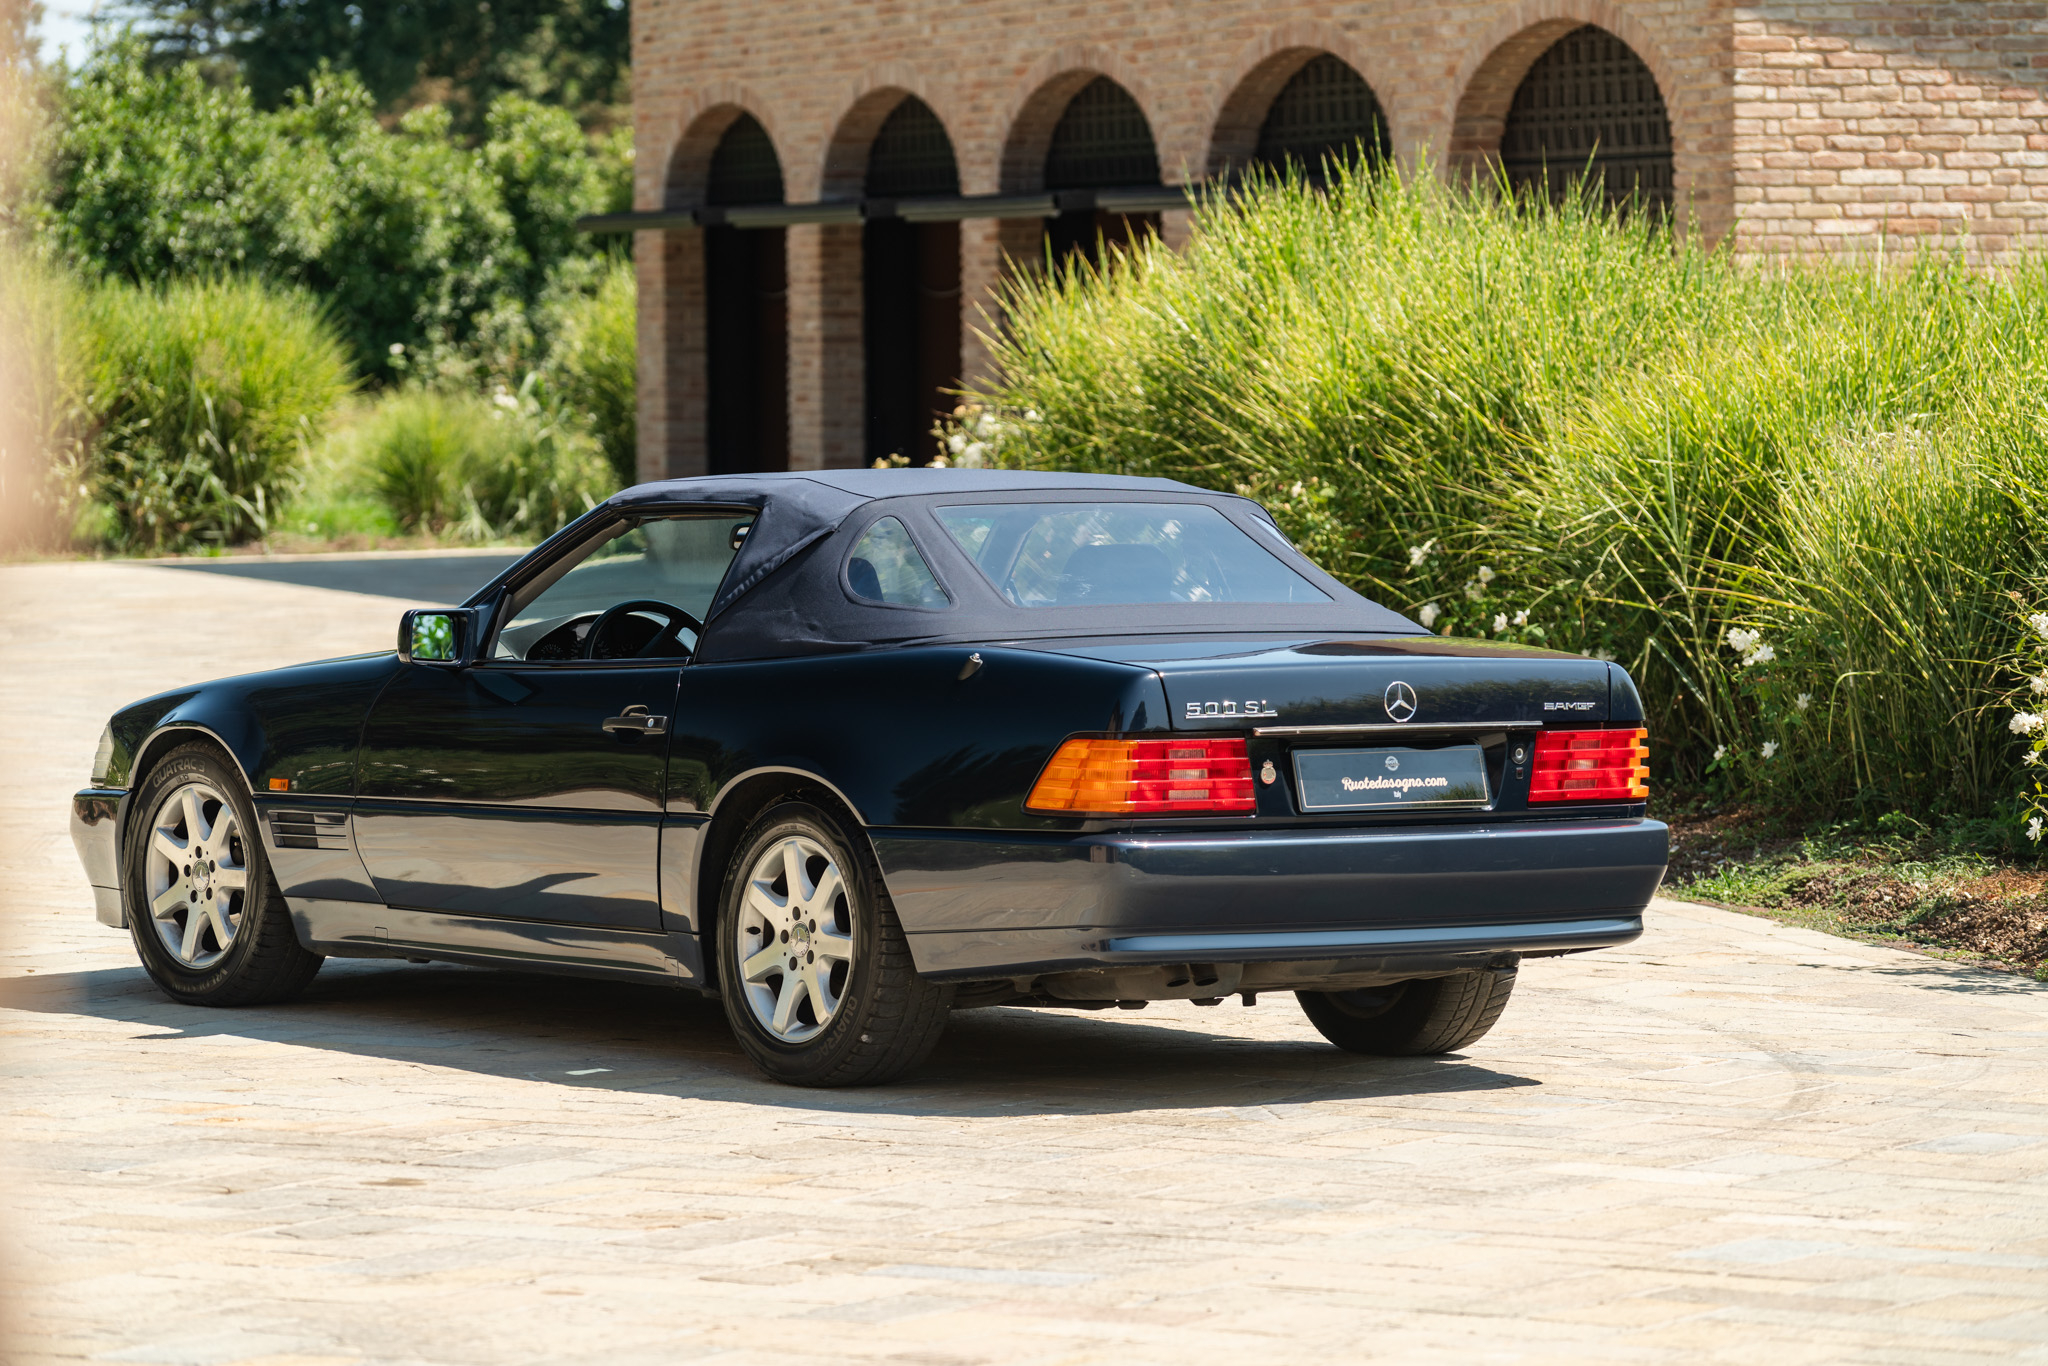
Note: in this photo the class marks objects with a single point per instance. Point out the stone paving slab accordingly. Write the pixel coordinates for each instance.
(1733, 1141)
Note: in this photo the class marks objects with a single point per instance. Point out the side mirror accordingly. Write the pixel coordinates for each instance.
(437, 635)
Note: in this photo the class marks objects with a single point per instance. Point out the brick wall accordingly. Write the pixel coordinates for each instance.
(1800, 127)
(1860, 123)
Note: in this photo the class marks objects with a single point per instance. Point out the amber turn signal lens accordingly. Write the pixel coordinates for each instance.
(1144, 777)
(280, 784)
(1591, 766)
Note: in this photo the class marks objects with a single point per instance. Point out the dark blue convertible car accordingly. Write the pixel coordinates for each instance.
(852, 750)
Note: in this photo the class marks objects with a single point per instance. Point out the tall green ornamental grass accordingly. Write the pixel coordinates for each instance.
(1794, 503)
(454, 464)
(202, 398)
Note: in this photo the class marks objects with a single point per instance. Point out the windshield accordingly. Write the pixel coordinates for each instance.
(1092, 554)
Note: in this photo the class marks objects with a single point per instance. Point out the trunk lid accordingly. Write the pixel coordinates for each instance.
(1419, 684)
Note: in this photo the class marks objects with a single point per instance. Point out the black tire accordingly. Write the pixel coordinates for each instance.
(264, 961)
(887, 1018)
(1411, 1019)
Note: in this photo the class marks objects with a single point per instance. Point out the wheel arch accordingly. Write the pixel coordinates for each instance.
(739, 803)
(160, 742)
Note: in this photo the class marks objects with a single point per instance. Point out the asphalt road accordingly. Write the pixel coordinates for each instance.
(1730, 1142)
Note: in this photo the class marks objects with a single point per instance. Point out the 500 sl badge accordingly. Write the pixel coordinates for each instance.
(1249, 707)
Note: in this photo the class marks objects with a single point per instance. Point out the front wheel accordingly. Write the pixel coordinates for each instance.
(209, 923)
(813, 965)
(1411, 1019)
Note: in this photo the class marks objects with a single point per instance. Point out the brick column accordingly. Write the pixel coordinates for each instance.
(827, 401)
(670, 336)
(981, 272)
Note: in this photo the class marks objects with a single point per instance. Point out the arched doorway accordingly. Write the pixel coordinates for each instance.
(1101, 141)
(910, 287)
(746, 311)
(1325, 113)
(1590, 107)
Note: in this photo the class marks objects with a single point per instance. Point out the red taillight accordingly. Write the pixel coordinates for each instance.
(1591, 766)
(1131, 777)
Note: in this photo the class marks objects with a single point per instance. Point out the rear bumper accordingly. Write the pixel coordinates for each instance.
(95, 827)
(998, 904)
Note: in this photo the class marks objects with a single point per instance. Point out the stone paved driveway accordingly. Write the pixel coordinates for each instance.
(1731, 1142)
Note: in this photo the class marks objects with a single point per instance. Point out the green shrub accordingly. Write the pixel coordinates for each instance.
(203, 397)
(457, 465)
(431, 253)
(592, 364)
(1563, 427)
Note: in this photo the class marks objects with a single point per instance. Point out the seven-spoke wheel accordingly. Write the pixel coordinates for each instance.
(206, 916)
(812, 963)
(196, 877)
(794, 938)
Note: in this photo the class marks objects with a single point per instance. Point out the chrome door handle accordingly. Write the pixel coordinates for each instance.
(636, 721)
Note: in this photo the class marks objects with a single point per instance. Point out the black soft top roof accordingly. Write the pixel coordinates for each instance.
(790, 567)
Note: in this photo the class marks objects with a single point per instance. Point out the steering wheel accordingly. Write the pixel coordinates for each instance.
(675, 616)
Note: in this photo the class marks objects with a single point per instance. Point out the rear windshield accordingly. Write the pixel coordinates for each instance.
(1092, 554)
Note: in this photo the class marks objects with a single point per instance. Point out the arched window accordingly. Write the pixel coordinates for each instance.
(1102, 141)
(746, 311)
(1325, 113)
(910, 287)
(1590, 107)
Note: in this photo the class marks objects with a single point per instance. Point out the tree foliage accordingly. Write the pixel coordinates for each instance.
(466, 55)
(427, 250)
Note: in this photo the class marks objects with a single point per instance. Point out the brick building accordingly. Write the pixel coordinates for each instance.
(828, 189)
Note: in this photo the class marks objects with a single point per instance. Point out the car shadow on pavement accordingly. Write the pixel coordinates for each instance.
(657, 1041)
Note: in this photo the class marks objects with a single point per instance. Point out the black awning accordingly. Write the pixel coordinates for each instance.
(933, 209)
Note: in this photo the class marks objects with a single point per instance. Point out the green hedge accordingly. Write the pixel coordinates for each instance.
(1562, 427)
(200, 401)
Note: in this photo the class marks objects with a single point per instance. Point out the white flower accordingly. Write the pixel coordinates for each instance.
(1741, 641)
(2039, 683)
(1770, 748)
(1764, 655)
(2034, 830)
(1418, 553)
(1607, 655)
(1429, 613)
(1031, 415)
(956, 442)
(975, 456)
(2039, 621)
(398, 348)
(1486, 575)
(1522, 617)
(2024, 722)
(2032, 756)
(1473, 590)
(1720, 753)
(1803, 701)
(505, 401)
(1500, 622)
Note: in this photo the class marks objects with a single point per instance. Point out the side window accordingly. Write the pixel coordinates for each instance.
(662, 563)
(885, 567)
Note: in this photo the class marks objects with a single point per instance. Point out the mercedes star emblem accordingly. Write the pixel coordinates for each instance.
(1400, 701)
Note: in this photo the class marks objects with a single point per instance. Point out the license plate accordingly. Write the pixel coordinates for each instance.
(1367, 779)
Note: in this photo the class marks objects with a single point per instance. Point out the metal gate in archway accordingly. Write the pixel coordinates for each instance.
(1590, 108)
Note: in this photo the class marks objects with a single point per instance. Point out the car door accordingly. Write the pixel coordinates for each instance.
(530, 785)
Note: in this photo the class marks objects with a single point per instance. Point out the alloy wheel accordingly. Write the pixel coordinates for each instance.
(196, 875)
(794, 939)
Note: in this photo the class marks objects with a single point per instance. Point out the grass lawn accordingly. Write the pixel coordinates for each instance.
(1946, 891)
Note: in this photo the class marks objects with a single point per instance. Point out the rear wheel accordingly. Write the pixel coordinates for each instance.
(813, 966)
(207, 919)
(1409, 1019)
